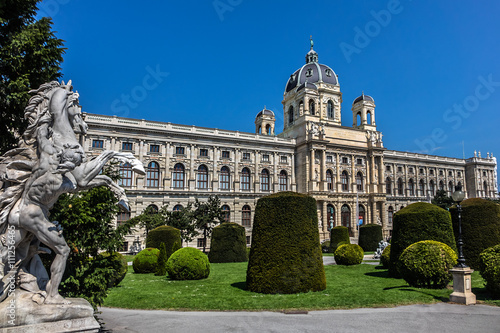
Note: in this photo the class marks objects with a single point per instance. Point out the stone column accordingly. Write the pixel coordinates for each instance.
(312, 169)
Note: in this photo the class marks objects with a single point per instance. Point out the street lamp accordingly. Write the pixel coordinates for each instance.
(462, 284)
(458, 196)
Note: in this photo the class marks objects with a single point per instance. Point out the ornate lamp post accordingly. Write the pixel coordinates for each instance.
(461, 272)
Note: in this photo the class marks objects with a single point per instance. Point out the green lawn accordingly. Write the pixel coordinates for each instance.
(347, 287)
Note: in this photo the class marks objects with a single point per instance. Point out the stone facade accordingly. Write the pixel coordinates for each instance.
(339, 166)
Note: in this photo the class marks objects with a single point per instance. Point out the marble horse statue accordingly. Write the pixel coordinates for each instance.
(48, 162)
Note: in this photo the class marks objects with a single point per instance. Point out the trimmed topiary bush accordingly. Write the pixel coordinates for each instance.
(480, 227)
(385, 257)
(337, 235)
(228, 243)
(285, 256)
(120, 266)
(369, 236)
(146, 261)
(489, 263)
(188, 263)
(349, 254)
(161, 268)
(164, 234)
(417, 222)
(426, 264)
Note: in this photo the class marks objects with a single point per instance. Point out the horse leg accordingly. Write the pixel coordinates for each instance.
(103, 180)
(37, 223)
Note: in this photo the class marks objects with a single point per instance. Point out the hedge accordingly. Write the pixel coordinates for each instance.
(369, 236)
(349, 254)
(164, 234)
(337, 235)
(228, 243)
(119, 265)
(285, 256)
(489, 263)
(146, 261)
(426, 264)
(480, 227)
(417, 222)
(188, 263)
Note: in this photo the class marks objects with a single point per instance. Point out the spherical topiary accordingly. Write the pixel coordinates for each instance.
(285, 256)
(349, 254)
(146, 261)
(228, 243)
(480, 227)
(489, 263)
(188, 263)
(385, 257)
(369, 236)
(337, 235)
(164, 234)
(417, 222)
(426, 264)
(119, 264)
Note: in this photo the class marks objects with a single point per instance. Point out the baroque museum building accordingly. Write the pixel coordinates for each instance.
(341, 167)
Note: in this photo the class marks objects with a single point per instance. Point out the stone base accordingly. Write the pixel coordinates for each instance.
(21, 314)
(462, 286)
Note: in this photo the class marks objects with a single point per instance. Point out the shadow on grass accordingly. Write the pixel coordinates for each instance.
(407, 288)
(240, 285)
(380, 274)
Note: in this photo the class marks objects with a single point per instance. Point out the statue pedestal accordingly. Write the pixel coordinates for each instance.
(21, 314)
(462, 286)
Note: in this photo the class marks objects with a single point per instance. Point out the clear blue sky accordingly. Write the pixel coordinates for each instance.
(427, 64)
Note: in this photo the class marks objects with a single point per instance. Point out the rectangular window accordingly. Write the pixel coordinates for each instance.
(359, 161)
(179, 150)
(246, 156)
(265, 158)
(345, 160)
(245, 217)
(431, 172)
(154, 148)
(200, 242)
(388, 168)
(329, 158)
(400, 169)
(124, 247)
(204, 152)
(410, 170)
(97, 144)
(440, 172)
(126, 145)
(248, 240)
(122, 217)
(283, 159)
(225, 154)
(421, 171)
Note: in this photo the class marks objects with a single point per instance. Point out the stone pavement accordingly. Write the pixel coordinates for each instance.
(440, 317)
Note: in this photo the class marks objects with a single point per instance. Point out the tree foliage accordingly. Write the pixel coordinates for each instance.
(442, 200)
(207, 215)
(30, 54)
(184, 221)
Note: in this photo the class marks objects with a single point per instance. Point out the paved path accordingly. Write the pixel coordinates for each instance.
(439, 318)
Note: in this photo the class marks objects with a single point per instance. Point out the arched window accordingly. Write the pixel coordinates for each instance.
(330, 217)
(311, 107)
(283, 180)
(388, 186)
(246, 215)
(421, 187)
(358, 119)
(178, 177)
(329, 180)
(290, 114)
(245, 180)
(390, 214)
(400, 187)
(441, 185)
(345, 217)
(450, 187)
(153, 175)
(264, 180)
(329, 108)
(224, 178)
(227, 213)
(344, 178)
(485, 187)
(411, 187)
(202, 177)
(177, 208)
(260, 130)
(122, 217)
(361, 217)
(125, 175)
(153, 209)
(432, 188)
(359, 181)
(268, 129)
(401, 207)
(369, 118)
